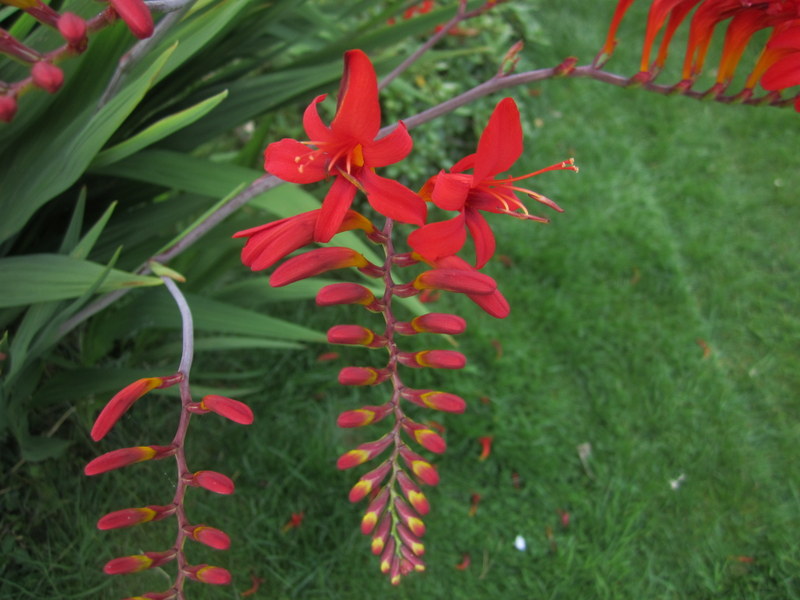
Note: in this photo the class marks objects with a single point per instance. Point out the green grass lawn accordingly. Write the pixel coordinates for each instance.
(656, 320)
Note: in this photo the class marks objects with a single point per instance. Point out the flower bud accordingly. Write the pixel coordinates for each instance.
(435, 359)
(455, 280)
(208, 574)
(127, 517)
(136, 16)
(362, 376)
(366, 415)
(73, 30)
(47, 76)
(355, 335)
(415, 496)
(210, 536)
(8, 108)
(420, 467)
(436, 400)
(427, 438)
(388, 555)
(211, 481)
(409, 517)
(318, 261)
(137, 562)
(363, 453)
(432, 323)
(116, 459)
(236, 411)
(414, 560)
(369, 482)
(381, 534)
(410, 540)
(124, 399)
(374, 510)
(345, 293)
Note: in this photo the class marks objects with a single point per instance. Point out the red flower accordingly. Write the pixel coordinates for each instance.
(498, 149)
(348, 151)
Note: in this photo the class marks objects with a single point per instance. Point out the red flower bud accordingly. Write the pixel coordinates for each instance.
(136, 16)
(424, 470)
(409, 517)
(427, 438)
(124, 399)
(208, 574)
(374, 511)
(363, 453)
(236, 411)
(436, 400)
(8, 108)
(318, 261)
(433, 323)
(345, 293)
(412, 559)
(47, 76)
(127, 517)
(369, 482)
(73, 30)
(362, 376)
(355, 335)
(381, 534)
(455, 280)
(388, 555)
(435, 359)
(366, 415)
(212, 481)
(210, 536)
(137, 562)
(410, 540)
(123, 457)
(415, 496)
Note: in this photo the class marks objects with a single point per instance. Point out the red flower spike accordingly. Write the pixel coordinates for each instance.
(124, 399)
(411, 541)
(455, 280)
(366, 415)
(436, 400)
(236, 411)
(374, 511)
(355, 335)
(212, 481)
(129, 517)
(433, 323)
(388, 555)
(47, 76)
(73, 29)
(321, 260)
(435, 359)
(486, 446)
(136, 16)
(348, 151)
(420, 467)
(362, 376)
(381, 534)
(345, 293)
(363, 453)
(137, 562)
(427, 438)
(409, 517)
(8, 108)
(369, 482)
(269, 243)
(414, 495)
(116, 459)
(208, 574)
(210, 536)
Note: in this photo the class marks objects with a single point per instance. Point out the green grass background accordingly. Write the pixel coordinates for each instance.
(681, 227)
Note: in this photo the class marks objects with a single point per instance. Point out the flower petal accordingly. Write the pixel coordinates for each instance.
(389, 149)
(316, 130)
(451, 189)
(392, 199)
(501, 142)
(784, 73)
(294, 162)
(334, 208)
(358, 113)
(437, 240)
(482, 234)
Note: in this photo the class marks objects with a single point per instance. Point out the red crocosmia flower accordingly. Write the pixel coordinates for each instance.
(499, 148)
(784, 70)
(348, 151)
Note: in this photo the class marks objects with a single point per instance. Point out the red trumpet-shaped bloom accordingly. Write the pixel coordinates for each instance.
(348, 151)
(470, 194)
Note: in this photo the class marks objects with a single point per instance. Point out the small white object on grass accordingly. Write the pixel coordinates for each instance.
(519, 543)
(676, 483)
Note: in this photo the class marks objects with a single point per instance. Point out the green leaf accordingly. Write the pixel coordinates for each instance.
(38, 447)
(73, 232)
(158, 131)
(37, 172)
(44, 277)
